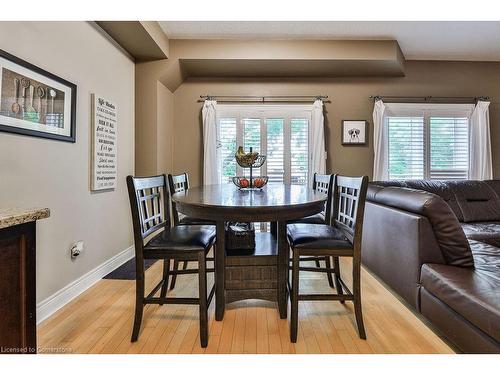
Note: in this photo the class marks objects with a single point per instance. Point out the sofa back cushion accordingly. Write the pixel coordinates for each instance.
(440, 188)
(449, 235)
(478, 201)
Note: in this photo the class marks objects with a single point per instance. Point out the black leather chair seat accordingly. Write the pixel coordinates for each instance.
(317, 236)
(488, 232)
(187, 220)
(181, 239)
(471, 292)
(313, 219)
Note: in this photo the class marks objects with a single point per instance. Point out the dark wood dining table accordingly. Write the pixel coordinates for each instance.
(276, 203)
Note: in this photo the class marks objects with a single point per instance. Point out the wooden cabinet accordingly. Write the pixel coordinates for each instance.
(17, 289)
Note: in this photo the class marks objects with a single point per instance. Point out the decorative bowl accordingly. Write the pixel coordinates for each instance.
(257, 183)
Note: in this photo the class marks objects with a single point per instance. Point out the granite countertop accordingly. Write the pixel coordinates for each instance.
(15, 216)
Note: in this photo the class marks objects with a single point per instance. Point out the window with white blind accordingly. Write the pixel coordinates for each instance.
(281, 132)
(428, 141)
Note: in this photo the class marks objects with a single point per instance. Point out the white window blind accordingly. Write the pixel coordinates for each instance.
(227, 147)
(406, 147)
(428, 141)
(449, 148)
(275, 150)
(299, 148)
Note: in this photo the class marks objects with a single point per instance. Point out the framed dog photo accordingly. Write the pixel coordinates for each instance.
(35, 102)
(354, 132)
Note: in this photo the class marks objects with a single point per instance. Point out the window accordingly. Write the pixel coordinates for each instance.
(279, 132)
(428, 141)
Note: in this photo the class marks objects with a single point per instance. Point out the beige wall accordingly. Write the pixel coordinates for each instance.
(45, 173)
(165, 132)
(350, 100)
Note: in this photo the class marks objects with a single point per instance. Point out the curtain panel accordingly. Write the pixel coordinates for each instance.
(480, 163)
(211, 173)
(318, 150)
(380, 144)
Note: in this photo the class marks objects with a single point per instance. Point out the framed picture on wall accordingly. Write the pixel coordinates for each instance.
(35, 102)
(354, 132)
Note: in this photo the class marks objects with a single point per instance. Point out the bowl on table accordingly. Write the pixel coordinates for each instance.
(244, 182)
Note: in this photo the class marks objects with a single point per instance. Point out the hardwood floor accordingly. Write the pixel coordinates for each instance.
(100, 321)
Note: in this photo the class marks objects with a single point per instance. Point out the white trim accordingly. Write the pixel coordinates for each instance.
(50, 305)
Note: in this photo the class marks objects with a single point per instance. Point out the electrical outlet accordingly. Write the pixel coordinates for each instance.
(76, 249)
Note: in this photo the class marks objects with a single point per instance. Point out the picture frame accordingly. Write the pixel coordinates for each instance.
(354, 132)
(35, 102)
(104, 141)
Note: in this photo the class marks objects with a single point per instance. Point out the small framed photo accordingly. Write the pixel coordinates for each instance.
(35, 102)
(354, 132)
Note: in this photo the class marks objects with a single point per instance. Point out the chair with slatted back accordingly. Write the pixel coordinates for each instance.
(156, 238)
(177, 184)
(340, 238)
(322, 183)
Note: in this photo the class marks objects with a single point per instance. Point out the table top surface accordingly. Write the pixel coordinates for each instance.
(272, 195)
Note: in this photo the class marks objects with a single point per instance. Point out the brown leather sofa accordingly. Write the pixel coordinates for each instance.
(437, 244)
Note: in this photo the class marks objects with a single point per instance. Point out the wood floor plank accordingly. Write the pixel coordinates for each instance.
(238, 342)
(261, 328)
(226, 336)
(250, 342)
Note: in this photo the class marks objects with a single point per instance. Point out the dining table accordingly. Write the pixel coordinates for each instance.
(263, 272)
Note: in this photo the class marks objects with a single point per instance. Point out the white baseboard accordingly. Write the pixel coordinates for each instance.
(50, 305)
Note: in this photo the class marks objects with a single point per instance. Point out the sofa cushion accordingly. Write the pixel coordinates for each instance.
(486, 257)
(477, 200)
(494, 185)
(449, 235)
(471, 292)
(488, 232)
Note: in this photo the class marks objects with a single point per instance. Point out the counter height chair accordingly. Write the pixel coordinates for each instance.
(340, 238)
(324, 184)
(177, 184)
(156, 238)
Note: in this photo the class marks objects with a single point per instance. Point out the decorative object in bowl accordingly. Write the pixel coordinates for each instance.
(249, 159)
(253, 183)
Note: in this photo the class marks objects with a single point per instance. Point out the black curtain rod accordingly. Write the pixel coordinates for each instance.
(265, 99)
(429, 99)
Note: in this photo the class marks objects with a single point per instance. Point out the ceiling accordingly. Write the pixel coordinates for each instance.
(419, 40)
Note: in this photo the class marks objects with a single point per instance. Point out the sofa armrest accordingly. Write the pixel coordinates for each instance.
(395, 245)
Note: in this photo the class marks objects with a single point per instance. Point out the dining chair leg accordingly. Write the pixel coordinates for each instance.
(356, 281)
(166, 275)
(338, 285)
(329, 273)
(294, 297)
(139, 300)
(174, 276)
(202, 290)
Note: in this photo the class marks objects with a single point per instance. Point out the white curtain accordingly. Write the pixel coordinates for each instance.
(480, 164)
(380, 144)
(210, 159)
(318, 151)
